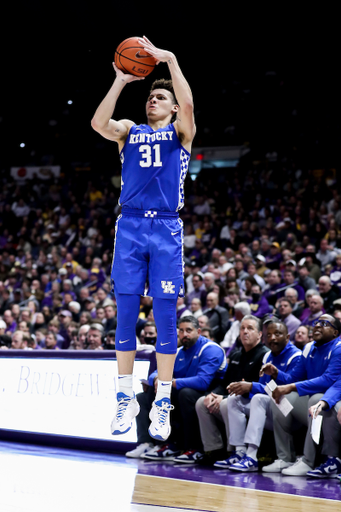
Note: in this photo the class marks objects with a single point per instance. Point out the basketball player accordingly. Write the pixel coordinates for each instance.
(149, 235)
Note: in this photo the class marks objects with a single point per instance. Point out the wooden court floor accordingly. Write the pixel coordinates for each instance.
(49, 479)
(219, 498)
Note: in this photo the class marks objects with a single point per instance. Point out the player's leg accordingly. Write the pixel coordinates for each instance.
(129, 273)
(166, 346)
(127, 408)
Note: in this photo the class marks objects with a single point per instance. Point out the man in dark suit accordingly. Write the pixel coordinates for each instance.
(217, 315)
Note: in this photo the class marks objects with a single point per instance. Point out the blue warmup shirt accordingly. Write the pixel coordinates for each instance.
(333, 394)
(198, 365)
(285, 361)
(317, 370)
(154, 167)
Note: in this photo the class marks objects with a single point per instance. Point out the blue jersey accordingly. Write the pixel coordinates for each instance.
(317, 370)
(154, 167)
(285, 361)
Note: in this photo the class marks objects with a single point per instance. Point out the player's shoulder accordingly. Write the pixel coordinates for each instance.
(128, 123)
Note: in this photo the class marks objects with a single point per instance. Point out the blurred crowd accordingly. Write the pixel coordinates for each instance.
(264, 238)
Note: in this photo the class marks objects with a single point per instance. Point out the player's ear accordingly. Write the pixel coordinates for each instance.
(175, 109)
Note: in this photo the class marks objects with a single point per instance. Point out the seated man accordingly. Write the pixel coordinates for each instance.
(329, 405)
(315, 373)
(245, 363)
(199, 364)
(246, 437)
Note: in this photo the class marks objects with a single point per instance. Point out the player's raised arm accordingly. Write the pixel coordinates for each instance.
(185, 123)
(102, 121)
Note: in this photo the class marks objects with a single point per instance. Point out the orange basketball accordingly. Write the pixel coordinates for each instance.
(131, 58)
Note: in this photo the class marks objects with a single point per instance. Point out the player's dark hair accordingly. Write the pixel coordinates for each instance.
(162, 83)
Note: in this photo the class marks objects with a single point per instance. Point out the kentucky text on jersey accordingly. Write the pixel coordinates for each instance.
(154, 167)
(138, 138)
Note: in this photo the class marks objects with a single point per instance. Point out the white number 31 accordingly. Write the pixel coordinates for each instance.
(147, 156)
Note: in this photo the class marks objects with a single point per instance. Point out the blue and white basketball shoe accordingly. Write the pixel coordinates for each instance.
(160, 419)
(125, 411)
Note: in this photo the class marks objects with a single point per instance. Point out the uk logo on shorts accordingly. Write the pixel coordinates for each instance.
(168, 287)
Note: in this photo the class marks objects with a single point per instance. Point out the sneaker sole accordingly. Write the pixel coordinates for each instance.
(158, 437)
(161, 459)
(244, 470)
(186, 461)
(119, 432)
(322, 476)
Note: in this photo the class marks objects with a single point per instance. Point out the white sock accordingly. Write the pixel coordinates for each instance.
(252, 450)
(125, 385)
(164, 389)
(241, 449)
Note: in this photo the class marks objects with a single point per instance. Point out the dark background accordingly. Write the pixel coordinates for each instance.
(265, 77)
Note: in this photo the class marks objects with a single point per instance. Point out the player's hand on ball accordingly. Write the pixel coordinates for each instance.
(158, 54)
(125, 77)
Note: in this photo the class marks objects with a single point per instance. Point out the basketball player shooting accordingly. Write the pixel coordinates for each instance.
(149, 233)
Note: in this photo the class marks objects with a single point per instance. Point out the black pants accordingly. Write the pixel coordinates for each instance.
(184, 421)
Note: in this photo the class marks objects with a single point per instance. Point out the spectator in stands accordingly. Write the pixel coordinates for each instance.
(315, 310)
(297, 307)
(335, 274)
(199, 291)
(209, 279)
(249, 401)
(259, 306)
(18, 341)
(245, 364)
(328, 293)
(110, 317)
(302, 337)
(274, 257)
(289, 280)
(217, 315)
(51, 341)
(11, 324)
(82, 337)
(304, 278)
(285, 310)
(317, 371)
(95, 337)
(181, 308)
(196, 307)
(199, 362)
(252, 272)
(260, 265)
(241, 309)
(326, 255)
(274, 288)
(150, 333)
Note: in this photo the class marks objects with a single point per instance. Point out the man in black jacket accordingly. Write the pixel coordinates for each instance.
(217, 315)
(244, 364)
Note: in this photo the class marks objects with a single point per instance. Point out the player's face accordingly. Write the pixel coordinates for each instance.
(160, 104)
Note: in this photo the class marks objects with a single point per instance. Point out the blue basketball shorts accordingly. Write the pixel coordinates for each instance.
(148, 254)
